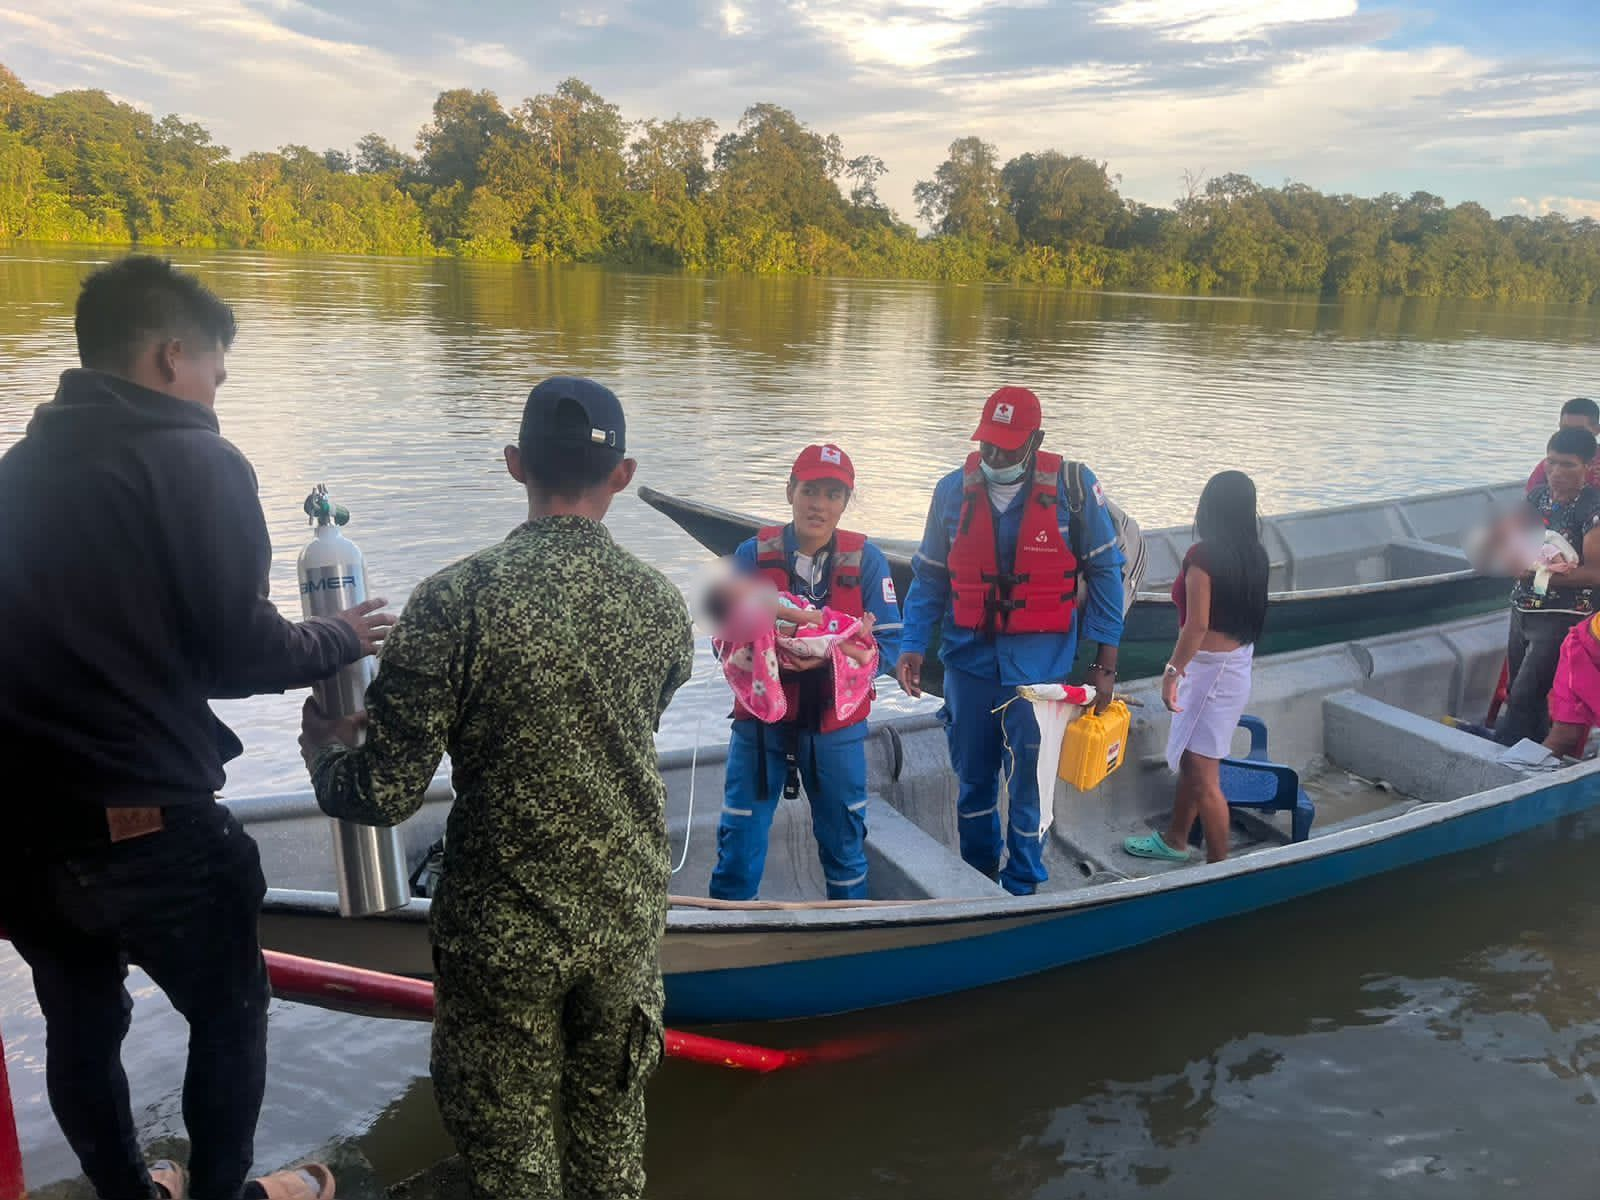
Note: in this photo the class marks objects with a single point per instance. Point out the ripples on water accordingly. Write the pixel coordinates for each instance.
(1400, 1039)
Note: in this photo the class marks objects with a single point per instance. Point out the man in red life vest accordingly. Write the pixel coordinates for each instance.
(1002, 559)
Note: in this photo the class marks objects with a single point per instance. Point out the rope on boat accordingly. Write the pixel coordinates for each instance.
(1008, 758)
(786, 905)
(694, 765)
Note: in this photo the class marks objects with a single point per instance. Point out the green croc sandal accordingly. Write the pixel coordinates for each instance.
(1154, 846)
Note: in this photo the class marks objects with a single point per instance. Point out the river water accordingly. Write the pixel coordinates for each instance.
(1438, 1033)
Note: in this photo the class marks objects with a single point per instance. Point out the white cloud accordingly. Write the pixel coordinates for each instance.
(32, 23)
(1317, 117)
(1088, 78)
(252, 79)
(1575, 207)
(491, 56)
(305, 12)
(1222, 20)
(908, 34)
(735, 22)
(896, 41)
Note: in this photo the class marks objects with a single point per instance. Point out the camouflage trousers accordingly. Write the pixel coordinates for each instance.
(516, 1053)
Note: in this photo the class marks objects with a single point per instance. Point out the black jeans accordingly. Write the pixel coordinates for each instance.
(1533, 650)
(183, 904)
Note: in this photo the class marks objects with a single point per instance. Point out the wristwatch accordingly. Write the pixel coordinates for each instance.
(1171, 670)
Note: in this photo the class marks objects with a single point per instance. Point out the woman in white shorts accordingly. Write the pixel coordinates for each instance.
(1221, 594)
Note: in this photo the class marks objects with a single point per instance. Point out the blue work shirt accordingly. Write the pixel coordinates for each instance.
(876, 598)
(1015, 658)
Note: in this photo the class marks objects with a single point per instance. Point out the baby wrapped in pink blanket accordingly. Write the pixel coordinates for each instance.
(762, 631)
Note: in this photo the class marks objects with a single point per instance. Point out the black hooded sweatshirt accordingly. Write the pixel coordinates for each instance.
(133, 590)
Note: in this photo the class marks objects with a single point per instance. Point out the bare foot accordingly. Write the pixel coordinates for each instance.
(860, 655)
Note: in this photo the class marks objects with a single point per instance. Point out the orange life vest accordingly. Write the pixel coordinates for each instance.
(844, 594)
(1038, 595)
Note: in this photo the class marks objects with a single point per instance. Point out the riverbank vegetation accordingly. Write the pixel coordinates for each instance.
(563, 177)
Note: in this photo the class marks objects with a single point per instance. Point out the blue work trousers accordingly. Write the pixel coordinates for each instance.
(982, 744)
(833, 768)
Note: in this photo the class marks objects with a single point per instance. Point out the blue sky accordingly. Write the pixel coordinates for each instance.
(1489, 100)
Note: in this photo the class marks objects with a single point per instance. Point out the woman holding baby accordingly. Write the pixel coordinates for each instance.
(813, 564)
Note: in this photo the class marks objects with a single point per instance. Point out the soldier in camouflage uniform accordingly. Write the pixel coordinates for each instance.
(542, 665)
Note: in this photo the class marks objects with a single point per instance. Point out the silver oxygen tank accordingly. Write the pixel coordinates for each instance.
(370, 861)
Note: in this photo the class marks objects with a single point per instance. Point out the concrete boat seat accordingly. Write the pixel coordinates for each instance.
(908, 864)
(1418, 757)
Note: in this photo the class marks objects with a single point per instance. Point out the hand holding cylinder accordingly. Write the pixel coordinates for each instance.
(319, 730)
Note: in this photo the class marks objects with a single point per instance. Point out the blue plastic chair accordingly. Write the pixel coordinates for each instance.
(1256, 782)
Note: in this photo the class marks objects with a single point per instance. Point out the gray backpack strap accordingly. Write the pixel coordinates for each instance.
(1073, 470)
(1074, 486)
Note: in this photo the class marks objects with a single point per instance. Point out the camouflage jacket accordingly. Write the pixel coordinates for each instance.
(542, 665)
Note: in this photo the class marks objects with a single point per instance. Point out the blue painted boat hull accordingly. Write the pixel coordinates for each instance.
(1046, 939)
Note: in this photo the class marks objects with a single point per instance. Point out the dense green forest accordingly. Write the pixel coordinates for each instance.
(563, 177)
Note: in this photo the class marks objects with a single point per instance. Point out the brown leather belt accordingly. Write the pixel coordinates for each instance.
(125, 824)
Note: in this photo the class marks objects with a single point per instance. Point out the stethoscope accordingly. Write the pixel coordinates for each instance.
(815, 589)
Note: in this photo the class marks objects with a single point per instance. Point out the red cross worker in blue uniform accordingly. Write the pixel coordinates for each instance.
(1012, 577)
(829, 567)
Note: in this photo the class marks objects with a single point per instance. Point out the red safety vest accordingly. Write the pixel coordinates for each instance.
(844, 594)
(1038, 595)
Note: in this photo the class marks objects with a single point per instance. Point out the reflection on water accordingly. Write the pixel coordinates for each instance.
(1399, 1038)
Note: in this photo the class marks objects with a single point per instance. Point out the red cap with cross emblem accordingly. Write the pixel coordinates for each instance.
(1010, 418)
(826, 461)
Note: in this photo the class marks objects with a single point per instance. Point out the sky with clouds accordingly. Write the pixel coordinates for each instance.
(1489, 100)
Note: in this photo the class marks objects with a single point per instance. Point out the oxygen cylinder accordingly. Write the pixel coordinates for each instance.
(370, 861)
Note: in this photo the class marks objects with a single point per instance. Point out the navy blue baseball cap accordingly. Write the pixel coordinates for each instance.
(575, 412)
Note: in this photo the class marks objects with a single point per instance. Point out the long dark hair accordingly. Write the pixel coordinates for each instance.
(1227, 526)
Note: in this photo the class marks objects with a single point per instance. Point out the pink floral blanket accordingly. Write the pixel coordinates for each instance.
(754, 658)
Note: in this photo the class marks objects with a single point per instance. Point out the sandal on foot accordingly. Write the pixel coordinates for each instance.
(1154, 846)
(308, 1181)
(170, 1178)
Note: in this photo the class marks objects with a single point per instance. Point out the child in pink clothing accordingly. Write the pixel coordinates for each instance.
(807, 632)
(761, 630)
(744, 608)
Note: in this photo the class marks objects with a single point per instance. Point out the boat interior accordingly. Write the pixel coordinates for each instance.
(1359, 725)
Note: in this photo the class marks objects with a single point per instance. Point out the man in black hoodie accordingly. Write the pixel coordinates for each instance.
(133, 590)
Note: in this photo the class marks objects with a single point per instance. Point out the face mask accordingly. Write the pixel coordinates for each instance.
(1003, 476)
